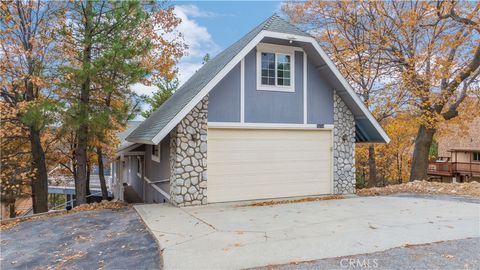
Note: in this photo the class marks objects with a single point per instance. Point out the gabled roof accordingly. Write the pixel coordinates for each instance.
(170, 113)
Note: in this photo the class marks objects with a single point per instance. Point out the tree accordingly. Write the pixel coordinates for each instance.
(434, 50)
(111, 45)
(206, 58)
(166, 88)
(344, 34)
(28, 58)
(16, 172)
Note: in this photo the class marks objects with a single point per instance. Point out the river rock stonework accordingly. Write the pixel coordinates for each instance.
(188, 158)
(344, 148)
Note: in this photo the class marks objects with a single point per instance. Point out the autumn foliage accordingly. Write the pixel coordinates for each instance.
(412, 62)
(65, 74)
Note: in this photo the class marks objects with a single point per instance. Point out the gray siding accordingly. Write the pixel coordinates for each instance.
(134, 180)
(272, 106)
(224, 99)
(319, 97)
(155, 171)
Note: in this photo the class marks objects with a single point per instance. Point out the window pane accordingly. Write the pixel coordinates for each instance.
(283, 69)
(271, 73)
(268, 69)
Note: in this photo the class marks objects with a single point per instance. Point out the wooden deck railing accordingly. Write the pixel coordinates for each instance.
(451, 168)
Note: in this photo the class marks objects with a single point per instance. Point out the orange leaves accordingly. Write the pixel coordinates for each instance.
(393, 159)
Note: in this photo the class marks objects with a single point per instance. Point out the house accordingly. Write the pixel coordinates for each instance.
(269, 117)
(458, 154)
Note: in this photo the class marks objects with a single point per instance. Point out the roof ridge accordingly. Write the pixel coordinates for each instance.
(278, 17)
(269, 20)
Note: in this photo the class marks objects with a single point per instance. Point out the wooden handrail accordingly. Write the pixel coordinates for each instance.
(453, 167)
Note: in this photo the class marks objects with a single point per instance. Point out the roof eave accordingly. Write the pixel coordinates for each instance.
(235, 60)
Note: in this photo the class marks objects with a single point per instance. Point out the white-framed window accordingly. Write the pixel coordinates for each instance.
(139, 166)
(476, 156)
(275, 67)
(156, 152)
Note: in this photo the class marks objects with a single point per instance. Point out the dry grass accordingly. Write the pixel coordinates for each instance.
(471, 189)
(7, 224)
(301, 200)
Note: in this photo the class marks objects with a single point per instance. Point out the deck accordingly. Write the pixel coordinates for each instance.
(442, 168)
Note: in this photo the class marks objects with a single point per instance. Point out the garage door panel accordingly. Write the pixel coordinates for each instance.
(293, 166)
(246, 164)
(277, 176)
(264, 190)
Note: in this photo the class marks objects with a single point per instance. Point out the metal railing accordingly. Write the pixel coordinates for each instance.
(70, 202)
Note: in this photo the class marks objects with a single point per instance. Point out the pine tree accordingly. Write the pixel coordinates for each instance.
(166, 88)
(110, 46)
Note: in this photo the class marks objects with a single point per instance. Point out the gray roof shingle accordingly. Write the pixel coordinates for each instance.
(149, 128)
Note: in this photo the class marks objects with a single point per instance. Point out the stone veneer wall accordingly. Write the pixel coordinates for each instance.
(344, 148)
(188, 158)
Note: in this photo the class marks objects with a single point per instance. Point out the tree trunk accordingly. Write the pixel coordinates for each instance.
(101, 174)
(12, 210)
(372, 166)
(87, 185)
(81, 160)
(423, 141)
(81, 151)
(40, 183)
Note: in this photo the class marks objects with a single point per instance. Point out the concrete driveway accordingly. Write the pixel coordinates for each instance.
(221, 236)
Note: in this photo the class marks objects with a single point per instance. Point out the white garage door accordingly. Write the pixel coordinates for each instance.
(246, 164)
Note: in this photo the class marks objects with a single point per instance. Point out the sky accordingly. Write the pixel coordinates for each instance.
(212, 26)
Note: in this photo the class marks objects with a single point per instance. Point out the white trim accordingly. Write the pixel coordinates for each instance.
(305, 100)
(126, 149)
(266, 125)
(161, 191)
(242, 90)
(237, 58)
(160, 181)
(139, 167)
(278, 48)
(135, 153)
(337, 73)
(332, 161)
(185, 110)
(271, 48)
(154, 157)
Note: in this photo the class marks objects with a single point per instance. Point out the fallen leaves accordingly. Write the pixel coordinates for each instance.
(100, 205)
(84, 238)
(448, 256)
(8, 224)
(424, 187)
(67, 259)
(301, 200)
(236, 245)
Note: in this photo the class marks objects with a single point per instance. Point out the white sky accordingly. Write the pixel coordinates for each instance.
(198, 39)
